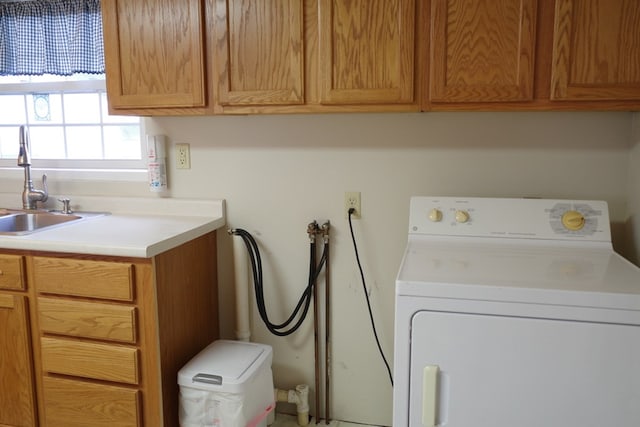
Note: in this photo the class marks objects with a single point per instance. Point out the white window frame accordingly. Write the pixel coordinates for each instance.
(117, 170)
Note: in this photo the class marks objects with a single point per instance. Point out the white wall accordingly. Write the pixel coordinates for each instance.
(278, 173)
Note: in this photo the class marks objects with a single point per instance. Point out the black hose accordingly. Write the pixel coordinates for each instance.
(305, 299)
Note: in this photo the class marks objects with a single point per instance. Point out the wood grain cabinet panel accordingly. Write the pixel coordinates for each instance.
(87, 319)
(105, 336)
(260, 52)
(72, 403)
(90, 360)
(93, 279)
(154, 53)
(17, 397)
(12, 272)
(482, 50)
(596, 51)
(367, 51)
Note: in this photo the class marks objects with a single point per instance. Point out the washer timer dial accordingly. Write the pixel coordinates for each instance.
(573, 220)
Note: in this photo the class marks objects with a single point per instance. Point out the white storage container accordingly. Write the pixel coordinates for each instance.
(228, 384)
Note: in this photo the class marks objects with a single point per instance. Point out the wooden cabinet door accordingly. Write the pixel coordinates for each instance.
(366, 51)
(596, 52)
(154, 53)
(482, 50)
(17, 399)
(259, 52)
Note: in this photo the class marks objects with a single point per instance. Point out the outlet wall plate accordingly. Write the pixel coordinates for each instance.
(183, 157)
(352, 200)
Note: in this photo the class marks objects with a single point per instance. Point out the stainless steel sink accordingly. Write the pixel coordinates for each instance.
(20, 222)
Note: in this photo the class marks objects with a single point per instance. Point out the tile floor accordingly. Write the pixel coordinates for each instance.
(283, 420)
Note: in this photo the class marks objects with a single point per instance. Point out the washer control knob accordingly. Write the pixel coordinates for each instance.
(462, 216)
(435, 215)
(573, 220)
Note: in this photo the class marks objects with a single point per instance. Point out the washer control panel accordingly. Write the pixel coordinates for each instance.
(511, 218)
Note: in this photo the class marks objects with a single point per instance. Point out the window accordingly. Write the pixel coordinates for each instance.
(51, 60)
(68, 121)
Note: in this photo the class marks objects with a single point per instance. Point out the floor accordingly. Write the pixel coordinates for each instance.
(283, 420)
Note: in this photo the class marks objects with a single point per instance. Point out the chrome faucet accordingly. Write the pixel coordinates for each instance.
(30, 196)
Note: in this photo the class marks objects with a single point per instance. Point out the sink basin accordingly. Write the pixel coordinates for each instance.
(20, 222)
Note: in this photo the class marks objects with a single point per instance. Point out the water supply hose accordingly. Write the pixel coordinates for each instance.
(284, 328)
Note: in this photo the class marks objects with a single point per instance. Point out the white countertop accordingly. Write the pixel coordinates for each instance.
(135, 227)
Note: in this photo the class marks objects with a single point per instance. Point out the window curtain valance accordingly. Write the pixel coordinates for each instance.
(61, 37)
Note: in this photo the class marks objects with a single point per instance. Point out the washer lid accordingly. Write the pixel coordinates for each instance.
(495, 270)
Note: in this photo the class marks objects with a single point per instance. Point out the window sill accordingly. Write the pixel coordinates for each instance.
(61, 174)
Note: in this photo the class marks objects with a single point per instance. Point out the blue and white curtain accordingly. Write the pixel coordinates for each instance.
(61, 37)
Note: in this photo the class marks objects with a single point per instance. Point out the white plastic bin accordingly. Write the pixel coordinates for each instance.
(228, 384)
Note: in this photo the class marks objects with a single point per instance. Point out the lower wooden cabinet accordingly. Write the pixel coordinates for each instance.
(17, 397)
(108, 335)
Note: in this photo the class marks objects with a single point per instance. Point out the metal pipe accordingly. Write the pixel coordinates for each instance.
(316, 338)
(327, 342)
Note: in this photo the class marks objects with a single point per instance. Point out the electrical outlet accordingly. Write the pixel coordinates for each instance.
(183, 158)
(352, 200)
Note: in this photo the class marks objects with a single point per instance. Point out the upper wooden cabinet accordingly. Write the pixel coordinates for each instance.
(482, 50)
(259, 52)
(154, 53)
(367, 51)
(244, 56)
(316, 54)
(596, 51)
(279, 56)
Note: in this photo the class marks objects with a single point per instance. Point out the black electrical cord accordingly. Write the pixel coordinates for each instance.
(366, 294)
(305, 299)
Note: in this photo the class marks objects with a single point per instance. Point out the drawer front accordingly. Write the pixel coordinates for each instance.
(12, 272)
(93, 279)
(87, 319)
(71, 403)
(90, 360)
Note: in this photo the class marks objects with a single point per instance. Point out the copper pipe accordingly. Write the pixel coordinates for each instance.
(327, 341)
(316, 337)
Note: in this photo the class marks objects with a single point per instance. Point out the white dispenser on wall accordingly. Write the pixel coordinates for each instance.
(157, 163)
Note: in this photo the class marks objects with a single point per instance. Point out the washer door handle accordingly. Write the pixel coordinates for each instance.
(429, 395)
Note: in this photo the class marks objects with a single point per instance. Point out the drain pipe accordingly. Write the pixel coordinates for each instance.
(241, 276)
(299, 396)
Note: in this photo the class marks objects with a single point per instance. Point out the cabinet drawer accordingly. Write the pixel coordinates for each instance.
(71, 403)
(90, 360)
(87, 319)
(93, 279)
(11, 272)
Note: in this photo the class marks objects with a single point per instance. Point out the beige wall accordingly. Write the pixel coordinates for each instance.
(278, 173)
(633, 221)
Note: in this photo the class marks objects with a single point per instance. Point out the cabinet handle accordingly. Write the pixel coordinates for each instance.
(429, 395)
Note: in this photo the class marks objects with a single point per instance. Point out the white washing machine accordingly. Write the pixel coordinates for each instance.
(515, 313)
